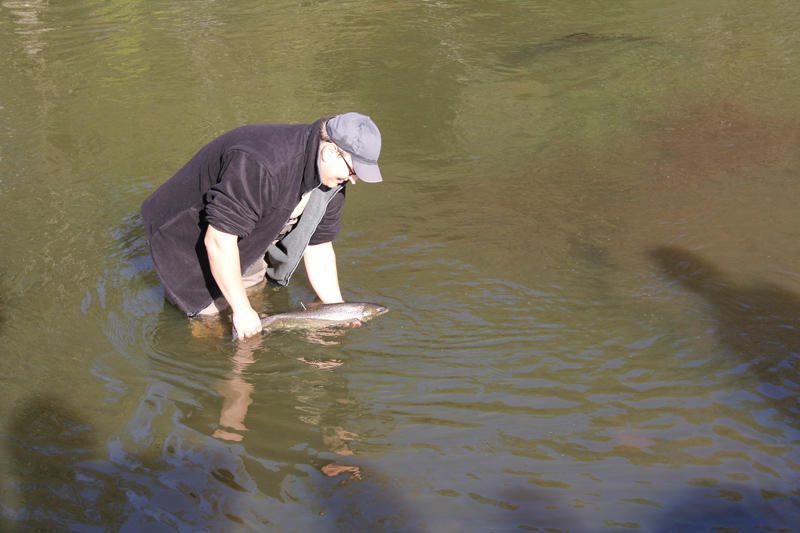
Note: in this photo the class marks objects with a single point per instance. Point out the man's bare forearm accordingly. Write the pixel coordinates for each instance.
(223, 257)
(320, 260)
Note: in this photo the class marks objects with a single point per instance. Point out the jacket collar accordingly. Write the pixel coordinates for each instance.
(310, 171)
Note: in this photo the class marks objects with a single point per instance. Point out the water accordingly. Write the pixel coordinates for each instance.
(587, 239)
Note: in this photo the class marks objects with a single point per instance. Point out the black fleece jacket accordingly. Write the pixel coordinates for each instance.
(246, 182)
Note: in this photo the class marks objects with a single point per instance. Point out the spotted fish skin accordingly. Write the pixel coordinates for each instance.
(322, 316)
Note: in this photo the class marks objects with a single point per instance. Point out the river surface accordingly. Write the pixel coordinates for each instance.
(587, 237)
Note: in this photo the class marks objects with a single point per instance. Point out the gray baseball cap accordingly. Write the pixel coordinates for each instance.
(358, 135)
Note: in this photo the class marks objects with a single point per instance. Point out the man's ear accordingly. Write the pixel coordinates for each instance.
(328, 150)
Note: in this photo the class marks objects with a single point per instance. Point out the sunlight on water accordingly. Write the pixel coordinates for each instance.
(586, 240)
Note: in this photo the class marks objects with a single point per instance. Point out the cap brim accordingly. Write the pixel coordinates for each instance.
(367, 171)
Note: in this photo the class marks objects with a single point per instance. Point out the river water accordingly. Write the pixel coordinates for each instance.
(587, 237)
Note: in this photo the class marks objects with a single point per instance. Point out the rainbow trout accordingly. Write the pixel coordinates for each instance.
(321, 316)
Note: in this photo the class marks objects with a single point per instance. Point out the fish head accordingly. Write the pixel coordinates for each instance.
(372, 310)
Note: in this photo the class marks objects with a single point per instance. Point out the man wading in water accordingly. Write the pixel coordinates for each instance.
(251, 204)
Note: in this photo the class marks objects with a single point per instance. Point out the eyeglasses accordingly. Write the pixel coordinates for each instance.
(352, 173)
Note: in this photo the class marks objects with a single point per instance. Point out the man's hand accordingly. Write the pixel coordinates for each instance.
(246, 323)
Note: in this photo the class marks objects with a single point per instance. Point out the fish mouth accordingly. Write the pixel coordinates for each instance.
(378, 310)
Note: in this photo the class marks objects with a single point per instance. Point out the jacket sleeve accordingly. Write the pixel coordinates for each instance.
(236, 202)
(329, 226)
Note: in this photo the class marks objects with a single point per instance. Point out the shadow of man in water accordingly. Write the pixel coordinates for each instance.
(759, 323)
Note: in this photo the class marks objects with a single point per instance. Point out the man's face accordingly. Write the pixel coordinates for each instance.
(335, 166)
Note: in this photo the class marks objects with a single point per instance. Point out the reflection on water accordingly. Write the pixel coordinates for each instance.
(236, 393)
(543, 365)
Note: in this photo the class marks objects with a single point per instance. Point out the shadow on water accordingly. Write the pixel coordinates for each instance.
(724, 507)
(759, 323)
(3, 304)
(523, 508)
(51, 448)
(370, 502)
(64, 481)
(62, 485)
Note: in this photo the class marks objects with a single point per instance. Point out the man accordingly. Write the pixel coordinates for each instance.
(251, 203)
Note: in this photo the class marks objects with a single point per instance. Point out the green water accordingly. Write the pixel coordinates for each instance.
(587, 238)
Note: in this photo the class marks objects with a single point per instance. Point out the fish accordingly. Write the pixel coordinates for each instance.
(529, 52)
(323, 316)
